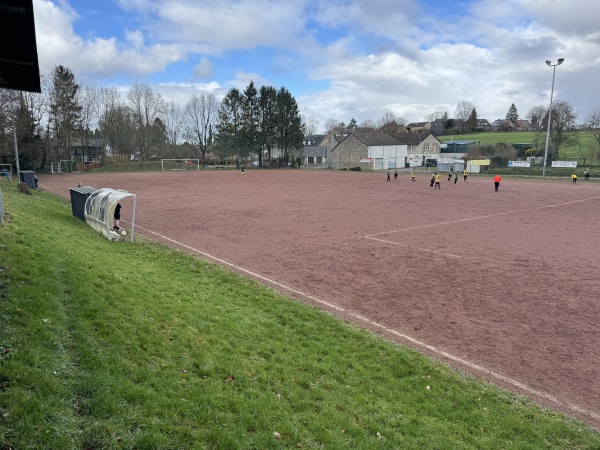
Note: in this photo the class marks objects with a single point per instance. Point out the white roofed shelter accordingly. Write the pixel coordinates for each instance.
(100, 209)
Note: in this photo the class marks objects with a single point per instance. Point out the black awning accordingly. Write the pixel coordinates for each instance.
(19, 67)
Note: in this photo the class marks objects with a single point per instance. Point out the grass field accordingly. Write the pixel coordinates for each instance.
(109, 345)
(585, 147)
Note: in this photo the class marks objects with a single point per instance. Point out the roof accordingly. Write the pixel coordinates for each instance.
(316, 138)
(377, 139)
(311, 150)
(417, 124)
(460, 142)
(83, 189)
(19, 67)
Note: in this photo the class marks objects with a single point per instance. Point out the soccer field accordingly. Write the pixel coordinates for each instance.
(503, 284)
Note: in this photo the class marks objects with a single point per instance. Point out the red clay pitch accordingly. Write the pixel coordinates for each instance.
(503, 284)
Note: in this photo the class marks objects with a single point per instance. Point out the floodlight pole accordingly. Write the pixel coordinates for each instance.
(17, 167)
(549, 63)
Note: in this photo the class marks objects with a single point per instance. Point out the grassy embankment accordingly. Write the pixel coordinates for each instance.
(581, 152)
(107, 345)
(584, 147)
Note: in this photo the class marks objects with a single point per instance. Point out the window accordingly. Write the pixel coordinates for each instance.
(319, 160)
(310, 160)
(425, 147)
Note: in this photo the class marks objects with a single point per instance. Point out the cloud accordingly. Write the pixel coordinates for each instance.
(58, 44)
(340, 58)
(204, 69)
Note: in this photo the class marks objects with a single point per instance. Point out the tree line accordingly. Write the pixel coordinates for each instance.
(263, 124)
(563, 126)
(260, 124)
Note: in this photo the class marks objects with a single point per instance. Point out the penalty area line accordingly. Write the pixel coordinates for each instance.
(382, 327)
(558, 205)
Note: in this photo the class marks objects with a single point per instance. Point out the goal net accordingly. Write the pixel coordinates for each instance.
(67, 166)
(179, 164)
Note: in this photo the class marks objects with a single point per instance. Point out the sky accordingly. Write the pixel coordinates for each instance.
(340, 59)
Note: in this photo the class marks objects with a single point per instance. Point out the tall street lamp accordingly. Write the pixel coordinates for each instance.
(549, 63)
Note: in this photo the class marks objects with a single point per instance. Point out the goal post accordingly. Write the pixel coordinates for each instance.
(67, 166)
(179, 164)
(54, 167)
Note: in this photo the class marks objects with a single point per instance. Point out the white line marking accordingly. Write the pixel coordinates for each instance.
(407, 338)
(416, 248)
(481, 217)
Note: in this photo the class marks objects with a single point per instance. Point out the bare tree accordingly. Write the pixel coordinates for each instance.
(388, 123)
(536, 116)
(199, 118)
(146, 106)
(436, 115)
(463, 110)
(562, 126)
(367, 123)
(89, 99)
(116, 122)
(310, 125)
(592, 125)
(332, 124)
(174, 124)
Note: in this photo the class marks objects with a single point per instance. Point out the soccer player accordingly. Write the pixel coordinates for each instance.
(437, 181)
(497, 180)
(117, 217)
(465, 174)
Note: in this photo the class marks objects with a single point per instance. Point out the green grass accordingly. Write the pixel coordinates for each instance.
(119, 345)
(586, 145)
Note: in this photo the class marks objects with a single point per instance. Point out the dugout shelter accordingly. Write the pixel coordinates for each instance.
(100, 209)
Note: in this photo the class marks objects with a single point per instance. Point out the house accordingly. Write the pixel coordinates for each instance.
(314, 157)
(449, 126)
(483, 125)
(416, 127)
(523, 125)
(314, 154)
(427, 150)
(511, 125)
(437, 127)
(382, 151)
(87, 152)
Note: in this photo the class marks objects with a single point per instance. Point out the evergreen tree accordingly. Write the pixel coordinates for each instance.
(267, 101)
(512, 113)
(229, 127)
(250, 142)
(472, 120)
(290, 132)
(65, 110)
